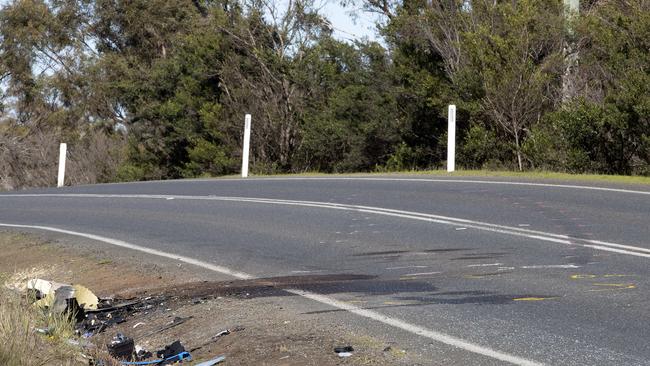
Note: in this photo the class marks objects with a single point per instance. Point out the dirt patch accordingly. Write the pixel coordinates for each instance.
(262, 329)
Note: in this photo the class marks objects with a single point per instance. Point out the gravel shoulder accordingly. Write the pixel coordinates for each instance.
(267, 326)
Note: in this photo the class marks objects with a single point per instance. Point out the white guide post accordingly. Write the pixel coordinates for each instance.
(247, 141)
(63, 148)
(451, 139)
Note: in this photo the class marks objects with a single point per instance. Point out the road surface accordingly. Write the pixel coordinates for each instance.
(460, 270)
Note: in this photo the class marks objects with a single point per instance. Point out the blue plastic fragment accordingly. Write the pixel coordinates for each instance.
(183, 356)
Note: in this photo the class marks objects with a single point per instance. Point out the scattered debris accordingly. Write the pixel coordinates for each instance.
(183, 356)
(121, 347)
(171, 350)
(222, 333)
(215, 337)
(45, 331)
(174, 323)
(42, 287)
(344, 349)
(58, 297)
(213, 361)
(141, 353)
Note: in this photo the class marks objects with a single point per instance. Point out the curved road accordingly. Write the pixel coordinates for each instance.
(461, 271)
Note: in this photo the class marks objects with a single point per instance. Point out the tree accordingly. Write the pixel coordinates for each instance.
(606, 128)
(515, 50)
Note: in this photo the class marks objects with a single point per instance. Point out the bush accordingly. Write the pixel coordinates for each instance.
(585, 137)
(482, 148)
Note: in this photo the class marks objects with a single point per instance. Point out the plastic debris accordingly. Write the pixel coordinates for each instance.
(170, 350)
(121, 347)
(174, 323)
(60, 298)
(212, 362)
(43, 287)
(45, 331)
(141, 353)
(344, 349)
(222, 333)
(85, 298)
(183, 356)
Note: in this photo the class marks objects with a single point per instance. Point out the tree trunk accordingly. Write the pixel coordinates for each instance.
(521, 167)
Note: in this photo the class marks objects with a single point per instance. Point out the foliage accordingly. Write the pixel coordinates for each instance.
(154, 89)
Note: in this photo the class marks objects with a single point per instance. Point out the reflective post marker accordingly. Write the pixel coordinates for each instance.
(63, 148)
(247, 141)
(451, 139)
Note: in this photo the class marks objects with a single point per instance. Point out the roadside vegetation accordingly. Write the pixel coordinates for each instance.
(22, 345)
(530, 174)
(250, 322)
(157, 89)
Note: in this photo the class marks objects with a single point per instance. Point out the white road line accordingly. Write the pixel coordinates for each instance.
(421, 274)
(446, 220)
(370, 314)
(485, 265)
(551, 266)
(380, 179)
(620, 251)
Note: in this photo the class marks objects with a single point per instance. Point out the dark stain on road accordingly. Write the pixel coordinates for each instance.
(386, 252)
(476, 257)
(274, 286)
(446, 250)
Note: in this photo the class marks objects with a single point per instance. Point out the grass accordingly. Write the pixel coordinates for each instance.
(21, 345)
(528, 175)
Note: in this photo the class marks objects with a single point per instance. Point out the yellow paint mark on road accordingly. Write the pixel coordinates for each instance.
(534, 298)
(408, 278)
(613, 286)
(617, 275)
(356, 301)
(588, 276)
(393, 303)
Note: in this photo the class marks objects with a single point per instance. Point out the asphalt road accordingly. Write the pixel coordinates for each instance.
(552, 274)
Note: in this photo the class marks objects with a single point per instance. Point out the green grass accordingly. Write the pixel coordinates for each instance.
(530, 175)
(21, 345)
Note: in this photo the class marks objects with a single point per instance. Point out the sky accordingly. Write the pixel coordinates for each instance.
(346, 26)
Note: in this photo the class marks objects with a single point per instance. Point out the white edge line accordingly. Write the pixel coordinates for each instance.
(396, 323)
(380, 179)
(437, 336)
